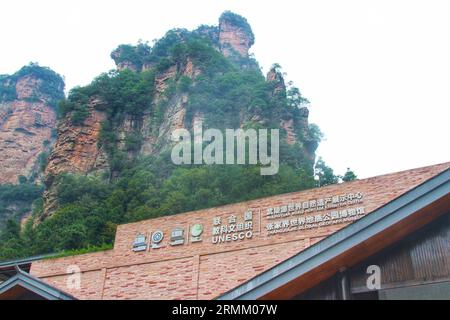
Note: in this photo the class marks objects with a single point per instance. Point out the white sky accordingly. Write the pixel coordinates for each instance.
(377, 73)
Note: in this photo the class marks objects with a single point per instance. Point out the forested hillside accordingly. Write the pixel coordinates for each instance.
(110, 163)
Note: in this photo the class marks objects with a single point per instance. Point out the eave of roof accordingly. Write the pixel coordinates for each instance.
(338, 243)
(35, 285)
(21, 262)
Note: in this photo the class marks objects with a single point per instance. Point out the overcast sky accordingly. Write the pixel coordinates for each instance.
(377, 73)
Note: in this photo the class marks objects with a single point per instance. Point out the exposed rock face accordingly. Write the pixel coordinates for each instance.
(76, 150)
(174, 118)
(26, 124)
(276, 79)
(26, 86)
(24, 129)
(162, 82)
(175, 111)
(288, 126)
(124, 61)
(132, 57)
(303, 121)
(127, 65)
(235, 35)
(147, 66)
(303, 124)
(190, 70)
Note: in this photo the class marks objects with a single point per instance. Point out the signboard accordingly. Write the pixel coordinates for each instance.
(280, 219)
(314, 213)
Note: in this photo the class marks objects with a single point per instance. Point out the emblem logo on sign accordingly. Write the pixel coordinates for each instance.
(177, 237)
(196, 232)
(157, 237)
(140, 243)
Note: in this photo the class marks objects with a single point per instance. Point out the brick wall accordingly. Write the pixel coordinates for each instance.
(204, 270)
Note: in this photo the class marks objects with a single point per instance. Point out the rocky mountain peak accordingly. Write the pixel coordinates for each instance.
(233, 37)
(276, 79)
(27, 120)
(235, 34)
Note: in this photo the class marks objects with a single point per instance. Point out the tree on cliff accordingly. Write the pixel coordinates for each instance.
(349, 176)
(325, 174)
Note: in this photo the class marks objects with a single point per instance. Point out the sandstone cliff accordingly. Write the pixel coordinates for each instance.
(235, 35)
(176, 62)
(27, 121)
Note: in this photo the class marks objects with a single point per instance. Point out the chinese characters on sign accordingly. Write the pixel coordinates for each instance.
(301, 215)
(232, 228)
(315, 221)
(309, 214)
(315, 205)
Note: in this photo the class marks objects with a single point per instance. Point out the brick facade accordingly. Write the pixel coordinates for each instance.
(204, 269)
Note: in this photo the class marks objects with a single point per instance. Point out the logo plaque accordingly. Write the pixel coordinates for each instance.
(177, 237)
(196, 232)
(157, 237)
(140, 243)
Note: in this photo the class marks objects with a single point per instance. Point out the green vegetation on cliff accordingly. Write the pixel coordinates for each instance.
(17, 200)
(51, 87)
(91, 208)
(239, 22)
(226, 92)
